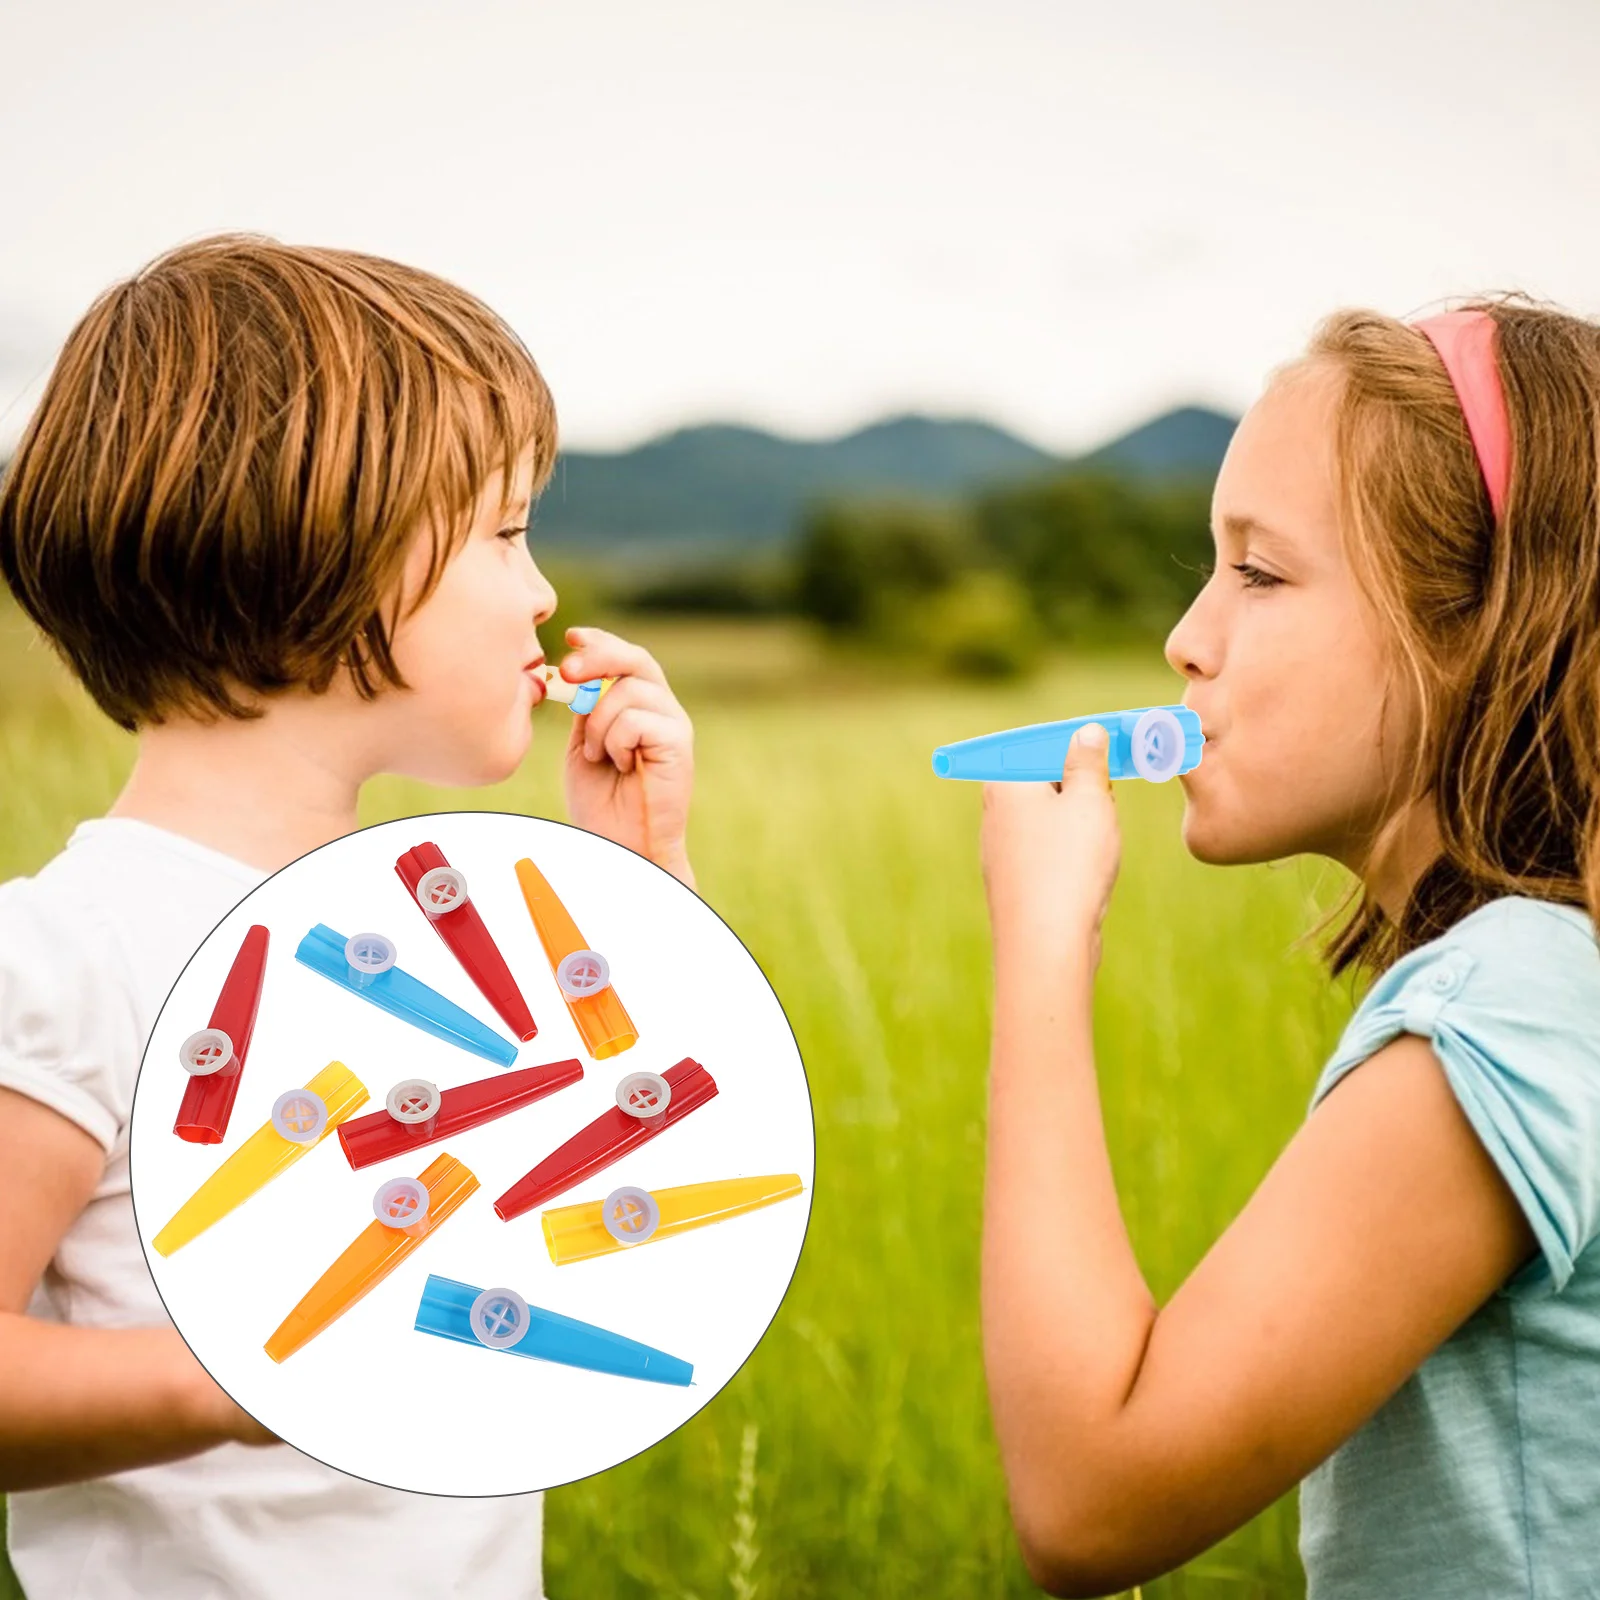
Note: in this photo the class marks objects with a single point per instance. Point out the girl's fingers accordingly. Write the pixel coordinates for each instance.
(598, 654)
(637, 731)
(621, 696)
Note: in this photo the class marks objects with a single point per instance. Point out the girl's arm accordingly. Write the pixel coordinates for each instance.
(1135, 1436)
(79, 1402)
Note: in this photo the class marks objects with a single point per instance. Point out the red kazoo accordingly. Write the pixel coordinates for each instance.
(647, 1105)
(215, 1057)
(441, 891)
(416, 1113)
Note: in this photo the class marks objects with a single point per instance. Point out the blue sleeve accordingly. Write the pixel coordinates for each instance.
(1510, 999)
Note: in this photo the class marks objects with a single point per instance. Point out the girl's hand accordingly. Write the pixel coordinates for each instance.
(1050, 855)
(630, 762)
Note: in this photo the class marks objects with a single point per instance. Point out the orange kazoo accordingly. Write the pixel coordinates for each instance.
(433, 1196)
(583, 977)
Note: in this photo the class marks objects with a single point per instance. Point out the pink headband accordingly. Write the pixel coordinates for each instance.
(1465, 342)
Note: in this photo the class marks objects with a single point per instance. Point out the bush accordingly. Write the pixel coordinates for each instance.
(860, 562)
(731, 588)
(980, 626)
(1091, 548)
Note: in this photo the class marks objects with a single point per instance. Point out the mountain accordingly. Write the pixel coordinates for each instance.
(1187, 442)
(721, 484)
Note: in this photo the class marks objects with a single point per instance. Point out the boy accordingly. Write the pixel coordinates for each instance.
(272, 511)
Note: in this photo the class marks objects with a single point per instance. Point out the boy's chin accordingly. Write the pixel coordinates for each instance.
(493, 759)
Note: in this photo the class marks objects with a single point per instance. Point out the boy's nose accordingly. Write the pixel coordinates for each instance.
(544, 596)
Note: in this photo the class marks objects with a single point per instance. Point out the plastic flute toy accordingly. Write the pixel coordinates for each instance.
(365, 965)
(1150, 742)
(301, 1119)
(407, 1211)
(630, 1217)
(500, 1319)
(647, 1104)
(441, 891)
(214, 1057)
(582, 975)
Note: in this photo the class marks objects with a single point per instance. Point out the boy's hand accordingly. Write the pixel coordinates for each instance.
(630, 762)
(1050, 857)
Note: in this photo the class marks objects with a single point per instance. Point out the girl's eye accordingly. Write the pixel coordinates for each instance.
(508, 534)
(1254, 577)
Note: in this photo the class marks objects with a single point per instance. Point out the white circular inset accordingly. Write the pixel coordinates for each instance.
(498, 1318)
(400, 1202)
(1157, 745)
(630, 1215)
(413, 1100)
(300, 1116)
(644, 1094)
(369, 953)
(440, 890)
(584, 972)
(706, 1299)
(205, 1052)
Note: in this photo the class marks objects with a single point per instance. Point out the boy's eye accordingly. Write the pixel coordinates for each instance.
(1254, 577)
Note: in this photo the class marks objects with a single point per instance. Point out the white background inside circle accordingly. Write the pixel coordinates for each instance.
(706, 1296)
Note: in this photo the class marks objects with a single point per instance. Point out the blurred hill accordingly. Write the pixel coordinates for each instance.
(723, 485)
(1187, 442)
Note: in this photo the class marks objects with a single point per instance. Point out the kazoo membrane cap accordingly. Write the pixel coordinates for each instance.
(1150, 742)
(365, 965)
(215, 1057)
(333, 1094)
(623, 1220)
(583, 973)
(205, 1052)
(501, 1320)
(630, 1215)
(441, 891)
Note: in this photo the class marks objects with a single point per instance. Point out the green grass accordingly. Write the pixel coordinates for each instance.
(852, 1455)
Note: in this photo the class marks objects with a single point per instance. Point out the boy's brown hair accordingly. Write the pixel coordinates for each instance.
(237, 446)
(1495, 625)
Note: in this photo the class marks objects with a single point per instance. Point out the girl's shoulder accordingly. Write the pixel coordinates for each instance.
(1516, 957)
(1510, 998)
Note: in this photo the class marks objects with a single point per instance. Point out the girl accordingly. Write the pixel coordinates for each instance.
(1397, 665)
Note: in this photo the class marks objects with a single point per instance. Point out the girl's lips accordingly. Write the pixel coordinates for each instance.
(534, 676)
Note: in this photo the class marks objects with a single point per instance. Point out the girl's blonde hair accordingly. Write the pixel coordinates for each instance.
(1495, 627)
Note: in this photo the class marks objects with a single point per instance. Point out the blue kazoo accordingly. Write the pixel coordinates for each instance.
(364, 964)
(1150, 742)
(500, 1319)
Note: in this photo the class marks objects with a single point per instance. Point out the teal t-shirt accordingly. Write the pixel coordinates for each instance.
(1481, 1475)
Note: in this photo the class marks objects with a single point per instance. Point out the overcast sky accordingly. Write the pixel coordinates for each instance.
(807, 215)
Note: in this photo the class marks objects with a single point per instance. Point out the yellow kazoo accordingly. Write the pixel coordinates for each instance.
(432, 1196)
(575, 1233)
(599, 1015)
(266, 1153)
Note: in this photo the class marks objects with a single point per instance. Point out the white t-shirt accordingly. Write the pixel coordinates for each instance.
(88, 951)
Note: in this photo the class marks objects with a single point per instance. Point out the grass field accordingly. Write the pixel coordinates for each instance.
(852, 1455)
